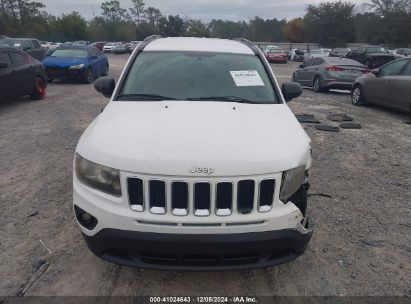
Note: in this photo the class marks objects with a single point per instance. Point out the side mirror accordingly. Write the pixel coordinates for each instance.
(301, 66)
(291, 90)
(105, 86)
(3, 65)
(376, 72)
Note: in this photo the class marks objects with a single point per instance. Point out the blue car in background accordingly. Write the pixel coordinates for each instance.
(76, 62)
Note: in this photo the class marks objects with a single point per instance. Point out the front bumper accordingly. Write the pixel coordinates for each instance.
(201, 252)
(278, 60)
(61, 73)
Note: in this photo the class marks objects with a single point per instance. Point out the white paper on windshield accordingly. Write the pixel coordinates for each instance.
(247, 79)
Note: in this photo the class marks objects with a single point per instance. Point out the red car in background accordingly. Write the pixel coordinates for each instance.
(277, 56)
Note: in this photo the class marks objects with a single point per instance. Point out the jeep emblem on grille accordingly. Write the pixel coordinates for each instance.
(204, 170)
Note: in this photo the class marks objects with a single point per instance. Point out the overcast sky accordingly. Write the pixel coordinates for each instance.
(205, 10)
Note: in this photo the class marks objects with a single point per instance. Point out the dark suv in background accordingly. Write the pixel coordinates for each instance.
(29, 45)
(371, 56)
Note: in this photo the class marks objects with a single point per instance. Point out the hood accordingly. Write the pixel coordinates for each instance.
(63, 62)
(170, 138)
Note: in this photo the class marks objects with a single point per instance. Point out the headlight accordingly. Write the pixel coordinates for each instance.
(98, 177)
(292, 181)
(77, 67)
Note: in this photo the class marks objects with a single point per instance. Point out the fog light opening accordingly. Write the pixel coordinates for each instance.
(85, 219)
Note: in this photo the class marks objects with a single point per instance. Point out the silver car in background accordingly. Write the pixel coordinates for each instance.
(315, 54)
(389, 86)
(325, 73)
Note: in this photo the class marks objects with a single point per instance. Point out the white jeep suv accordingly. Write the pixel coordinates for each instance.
(197, 162)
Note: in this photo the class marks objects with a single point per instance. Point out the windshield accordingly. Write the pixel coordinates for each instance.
(198, 76)
(277, 52)
(376, 50)
(77, 53)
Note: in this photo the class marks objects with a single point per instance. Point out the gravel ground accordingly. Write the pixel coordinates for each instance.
(361, 244)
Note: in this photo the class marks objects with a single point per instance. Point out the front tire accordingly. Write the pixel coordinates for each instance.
(317, 85)
(40, 89)
(357, 96)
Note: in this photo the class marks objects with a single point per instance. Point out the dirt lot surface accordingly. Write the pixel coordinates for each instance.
(361, 244)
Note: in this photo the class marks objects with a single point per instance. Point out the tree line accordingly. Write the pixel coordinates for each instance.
(331, 24)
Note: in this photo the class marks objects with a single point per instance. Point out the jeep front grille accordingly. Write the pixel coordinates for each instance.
(202, 198)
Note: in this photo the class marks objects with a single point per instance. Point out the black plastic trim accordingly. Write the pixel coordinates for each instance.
(197, 252)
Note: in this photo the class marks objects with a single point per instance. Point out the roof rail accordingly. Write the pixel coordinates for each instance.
(151, 38)
(249, 44)
(146, 41)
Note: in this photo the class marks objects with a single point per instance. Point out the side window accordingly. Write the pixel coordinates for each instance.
(393, 69)
(18, 59)
(36, 44)
(318, 61)
(26, 45)
(98, 53)
(407, 70)
(308, 63)
(4, 57)
(95, 52)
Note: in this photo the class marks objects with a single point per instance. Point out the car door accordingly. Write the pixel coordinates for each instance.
(38, 51)
(95, 62)
(302, 73)
(101, 61)
(400, 96)
(379, 88)
(23, 72)
(313, 69)
(8, 85)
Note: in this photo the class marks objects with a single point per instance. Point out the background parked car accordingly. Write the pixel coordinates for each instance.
(108, 47)
(277, 55)
(100, 45)
(403, 52)
(267, 48)
(122, 49)
(314, 54)
(29, 45)
(133, 45)
(82, 42)
(339, 52)
(299, 55)
(371, 56)
(325, 73)
(20, 75)
(76, 62)
(327, 51)
(388, 86)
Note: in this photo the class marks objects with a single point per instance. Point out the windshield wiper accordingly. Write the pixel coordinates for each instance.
(223, 98)
(144, 97)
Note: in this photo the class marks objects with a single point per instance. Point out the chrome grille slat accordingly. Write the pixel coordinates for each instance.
(178, 197)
